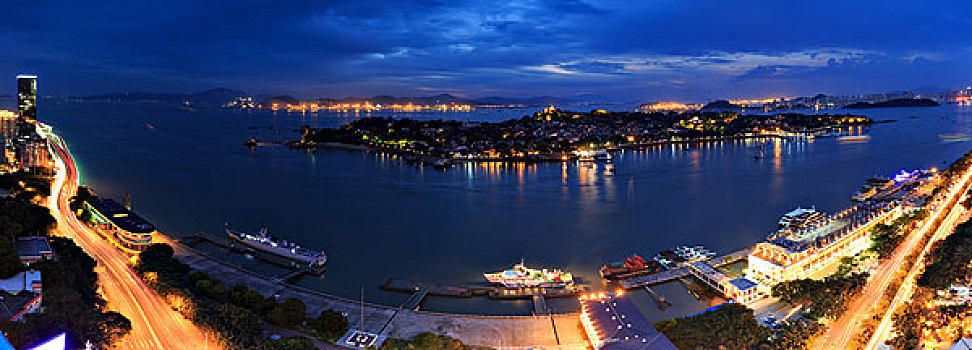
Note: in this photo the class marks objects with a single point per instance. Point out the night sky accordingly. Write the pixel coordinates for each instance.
(596, 49)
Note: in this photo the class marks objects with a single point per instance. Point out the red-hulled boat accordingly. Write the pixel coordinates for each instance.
(632, 266)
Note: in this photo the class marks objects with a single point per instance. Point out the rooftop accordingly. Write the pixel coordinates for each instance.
(621, 325)
(11, 305)
(743, 283)
(121, 216)
(21, 281)
(32, 246)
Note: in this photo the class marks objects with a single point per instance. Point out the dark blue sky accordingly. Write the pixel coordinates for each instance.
(620, 49)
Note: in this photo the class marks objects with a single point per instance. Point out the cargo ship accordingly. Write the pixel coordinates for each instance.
(632, 266)
(521, 276)
(268, 244)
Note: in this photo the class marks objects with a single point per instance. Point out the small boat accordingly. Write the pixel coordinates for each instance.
(693, 254)
(609, 169)
(957, 137)
(633, 265)
(854, 138)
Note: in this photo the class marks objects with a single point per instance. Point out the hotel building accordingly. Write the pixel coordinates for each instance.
(741, 289)
(120, 225)
(797, 252)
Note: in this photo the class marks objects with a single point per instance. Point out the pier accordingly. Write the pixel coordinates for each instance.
(299, 269)
(681, 272)
(539, 305)
(415, 300)
(286, 277)
(660, 300)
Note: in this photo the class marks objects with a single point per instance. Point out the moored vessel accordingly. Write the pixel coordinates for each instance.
(633, 265)
(266, 243)
(521, 276)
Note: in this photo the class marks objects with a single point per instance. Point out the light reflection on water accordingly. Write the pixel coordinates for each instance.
(378, 216)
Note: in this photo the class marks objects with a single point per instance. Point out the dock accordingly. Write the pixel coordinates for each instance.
(415, 300)
(299, 268)
(441, 290)
(660, 300)
(661, 277)
(527, 293)
(539, 305)
(286, 277)
(493, 292)
(681, 272)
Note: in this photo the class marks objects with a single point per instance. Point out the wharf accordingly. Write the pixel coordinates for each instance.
(493, 292)
(298, 269)
(551, 331)
(681, 272)
(397, 285)
(526, 293)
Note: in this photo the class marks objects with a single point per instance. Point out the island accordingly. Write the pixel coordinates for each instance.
(558, 135)
(900, 102)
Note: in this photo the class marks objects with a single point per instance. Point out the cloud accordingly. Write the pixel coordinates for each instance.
(361, 47)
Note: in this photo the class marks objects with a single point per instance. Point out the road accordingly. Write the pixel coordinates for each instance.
(154, 324)
(904, 293)
(842, 331)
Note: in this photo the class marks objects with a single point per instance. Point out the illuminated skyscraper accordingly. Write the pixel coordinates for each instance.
(27, 97)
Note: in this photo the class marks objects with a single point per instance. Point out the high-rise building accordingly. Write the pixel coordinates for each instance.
(27, 97)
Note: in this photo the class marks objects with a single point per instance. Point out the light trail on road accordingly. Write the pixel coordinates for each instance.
(155, 325)
(840, 332)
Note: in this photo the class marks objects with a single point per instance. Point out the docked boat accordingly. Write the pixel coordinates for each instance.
(670, 259)
(634, 265)
(854, 138)
(521, 276)
(693, 254)
(268, 244)
(593, 156)
(800, 218)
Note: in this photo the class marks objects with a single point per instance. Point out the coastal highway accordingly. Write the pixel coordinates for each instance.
(957, 215)
(840, 332)
(154, 324)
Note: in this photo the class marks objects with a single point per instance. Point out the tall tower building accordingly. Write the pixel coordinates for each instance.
(27, 97)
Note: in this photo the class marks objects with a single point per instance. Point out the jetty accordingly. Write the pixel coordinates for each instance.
(297, 269)
(681, 272)
(539, 305)
(415, 300)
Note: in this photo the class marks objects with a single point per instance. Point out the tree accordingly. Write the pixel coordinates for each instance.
(731, 325)
(329, 325)
(245, 297)
(290, 313)
(10, 263)
(114, 326)
(294, 343)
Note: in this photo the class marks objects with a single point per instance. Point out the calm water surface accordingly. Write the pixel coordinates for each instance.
(378, 217)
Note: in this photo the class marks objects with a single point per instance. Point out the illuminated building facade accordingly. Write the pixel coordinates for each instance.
(27, 97)
(741, 290)
(8, 125)
(796, 253)
(120, 225)
(26, 103)
(32, 153)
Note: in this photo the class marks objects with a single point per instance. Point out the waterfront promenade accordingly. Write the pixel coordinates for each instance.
(562, 331)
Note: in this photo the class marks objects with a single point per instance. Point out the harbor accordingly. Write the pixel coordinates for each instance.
(641, 281)
(294, 269)
(607, 217)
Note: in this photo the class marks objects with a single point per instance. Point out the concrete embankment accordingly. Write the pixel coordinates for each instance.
(548, 332)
